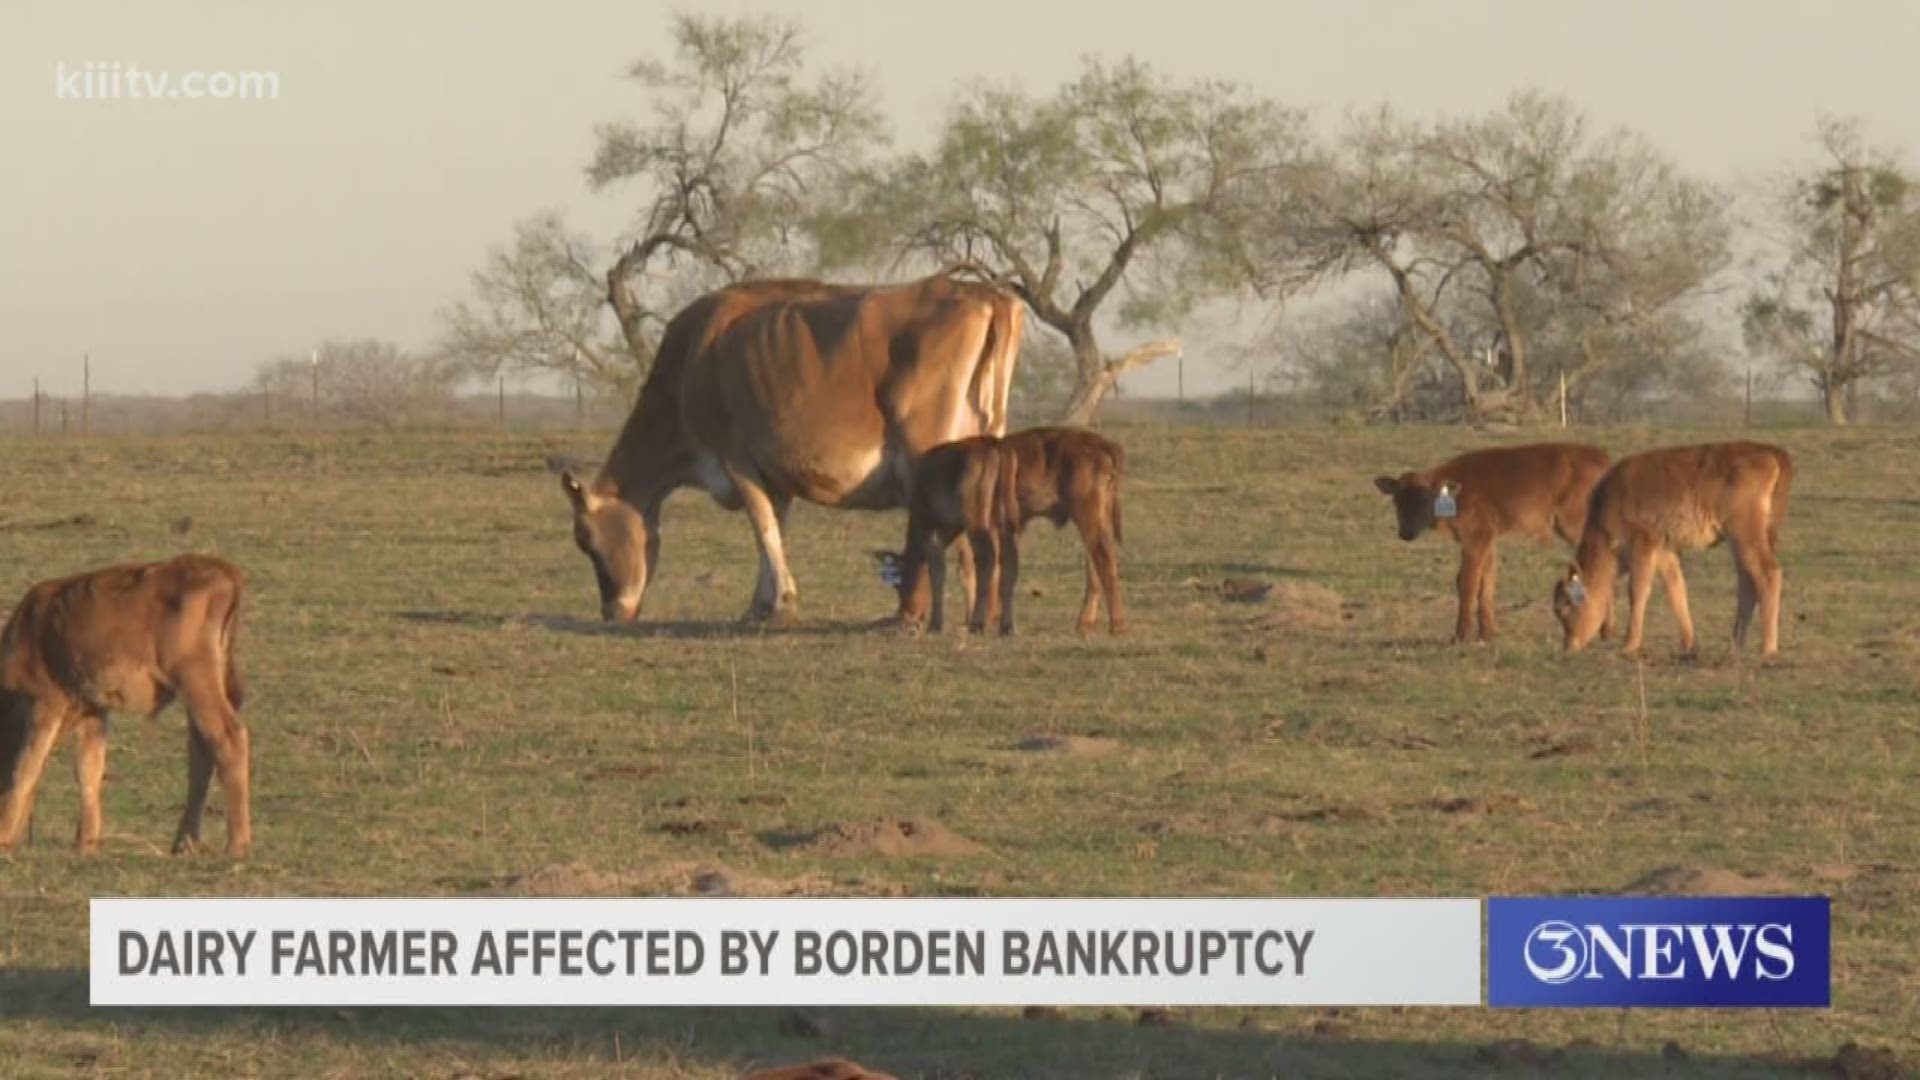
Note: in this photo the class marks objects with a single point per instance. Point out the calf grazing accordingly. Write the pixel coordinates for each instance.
(988, 489)
(1538, 491)
(127, 639)
(1652, 506)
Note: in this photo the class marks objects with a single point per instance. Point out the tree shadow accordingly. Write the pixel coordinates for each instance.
(914, 1043)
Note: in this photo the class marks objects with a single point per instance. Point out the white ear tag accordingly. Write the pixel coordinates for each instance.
(890, 572)
(1577, 592)
(1444, 505)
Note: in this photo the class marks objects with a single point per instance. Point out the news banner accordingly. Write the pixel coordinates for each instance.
(1660, 952)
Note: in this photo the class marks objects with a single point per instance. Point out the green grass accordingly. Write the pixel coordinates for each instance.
(437, 712)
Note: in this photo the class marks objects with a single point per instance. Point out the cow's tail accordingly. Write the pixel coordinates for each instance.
(1009, 482)
(993, 373)
(1112, 480)
(236, 687)
(979, 487)
(1777, 508)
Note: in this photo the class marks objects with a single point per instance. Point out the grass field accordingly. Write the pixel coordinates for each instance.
(436, 711)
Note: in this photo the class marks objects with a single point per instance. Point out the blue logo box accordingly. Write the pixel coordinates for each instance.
(1659, 952)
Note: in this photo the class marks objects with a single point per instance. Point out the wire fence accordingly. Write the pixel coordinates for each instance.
(84, 410)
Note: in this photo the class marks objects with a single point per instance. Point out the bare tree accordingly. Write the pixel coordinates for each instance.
(1499, 231)
(1842, 305)
(364, 381)
(1109, 186)
(538, 305)
(741, 158)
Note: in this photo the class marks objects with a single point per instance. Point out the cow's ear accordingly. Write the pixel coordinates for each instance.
(1387, 485)
(576, 494)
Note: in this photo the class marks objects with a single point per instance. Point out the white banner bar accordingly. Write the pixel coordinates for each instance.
(726, 951)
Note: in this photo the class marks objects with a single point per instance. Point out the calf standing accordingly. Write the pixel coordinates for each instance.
(988, 489)
(1538, 491)
(127, 639)
(1652, 506)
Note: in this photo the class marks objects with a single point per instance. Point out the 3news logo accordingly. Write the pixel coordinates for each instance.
(1659, 952)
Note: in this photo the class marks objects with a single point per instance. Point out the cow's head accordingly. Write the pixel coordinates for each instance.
(620, 542)
(1582, 611)
(1416, 502)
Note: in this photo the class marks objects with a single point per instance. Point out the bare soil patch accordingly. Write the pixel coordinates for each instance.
(1068, 745)
(892, 838)
(671, 879)
(1708, 881)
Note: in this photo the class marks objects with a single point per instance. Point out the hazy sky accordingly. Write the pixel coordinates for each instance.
(182, 242)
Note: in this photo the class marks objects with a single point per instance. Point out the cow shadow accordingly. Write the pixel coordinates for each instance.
(913, 1043)
(674, 629)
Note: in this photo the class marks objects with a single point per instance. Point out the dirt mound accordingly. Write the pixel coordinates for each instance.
(1708, 881)
(670, 879)
(572, 879)
(824, 1069)
(1067, 745)
(1301, 605)
(892, 837)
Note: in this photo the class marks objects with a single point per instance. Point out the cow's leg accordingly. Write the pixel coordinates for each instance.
(1009, 573)
(766, 588)
(1675, 583)
(89, 768)
(33, 741)
(986, 569)
(1762, 567)
(782, 599)
(1489, 569)
(1747, 597)
(1640, 569)
(1466, 585)
(970, 579)
(935, 557)
(1106, 561)
(199, 776)
(229, 743)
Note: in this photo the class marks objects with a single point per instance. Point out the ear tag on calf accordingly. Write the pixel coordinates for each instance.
(1577, 591)
(1444, 505)
(890, 573)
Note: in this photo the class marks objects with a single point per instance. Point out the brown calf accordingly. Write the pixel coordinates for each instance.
(1538, 491)
(988, 489)
(1654, 505)
(127, 639)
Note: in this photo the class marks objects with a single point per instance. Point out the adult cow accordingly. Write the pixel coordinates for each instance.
(769, 391)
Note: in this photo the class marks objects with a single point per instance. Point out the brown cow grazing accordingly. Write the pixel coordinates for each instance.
(770, 391)
(127, 639)
(988, 489)
(1538, 491)
(1652, 506)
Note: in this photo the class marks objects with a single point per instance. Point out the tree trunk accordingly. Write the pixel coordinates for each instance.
(1833, 394)
(1095, 376)
(1519, 390)
(1091, 383)
(626, 307)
